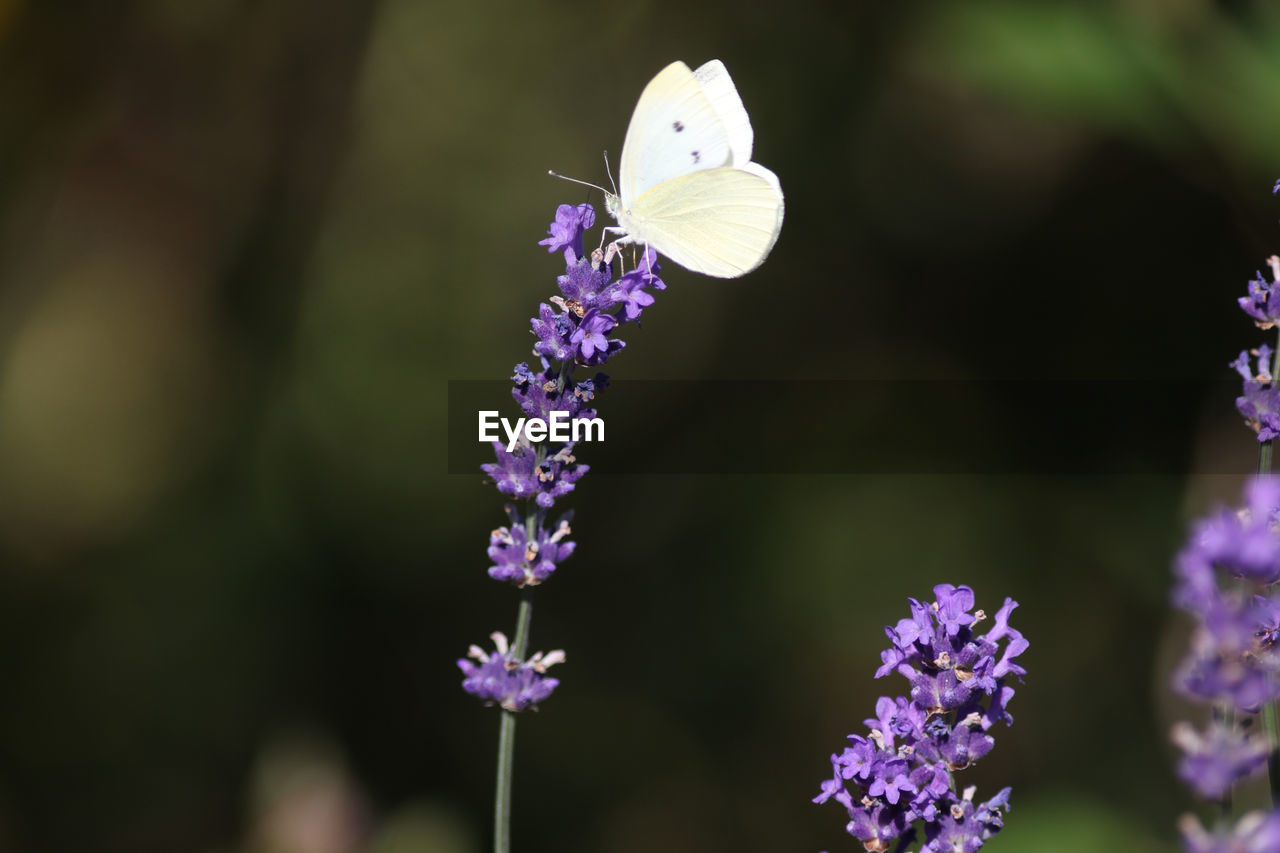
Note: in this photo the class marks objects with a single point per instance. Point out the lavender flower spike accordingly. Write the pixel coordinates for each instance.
(577, 327)
(1227, 577)
(901, 774)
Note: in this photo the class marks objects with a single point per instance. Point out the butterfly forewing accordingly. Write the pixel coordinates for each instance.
(674, 130)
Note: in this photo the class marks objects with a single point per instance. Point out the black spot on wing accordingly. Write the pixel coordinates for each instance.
(697, 157)
(677, 125)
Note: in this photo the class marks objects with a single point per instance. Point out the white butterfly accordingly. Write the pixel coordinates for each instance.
(687, 186)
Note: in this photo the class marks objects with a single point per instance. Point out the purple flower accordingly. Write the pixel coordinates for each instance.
(954, 604)
(566, 230)
(540, 394)
(1259, 404)
(630, 292)
(965, 827)
(1262, 300)
(876, 826)
(525, 473)
(522, 375)
(1242, 364)
(586, 286)
(587, 388)
(963, 746)
(896, 718)
(890, 779)
(591, 340)
(933, 784)
(553, 332)
(902, 771)
(526, 563)
(1215, 760)
(500, 679)
(1256, 832)
(857, 760)
(1234, 655)
(833, 788)
(937, 651)
(1240, 544)
(1226, 577)
(591, 306)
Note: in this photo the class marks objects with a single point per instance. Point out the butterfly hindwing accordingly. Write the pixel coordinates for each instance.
(720, 222)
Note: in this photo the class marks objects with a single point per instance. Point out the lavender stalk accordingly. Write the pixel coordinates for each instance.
(579, 331)
(1228, 578)
(1258, 405)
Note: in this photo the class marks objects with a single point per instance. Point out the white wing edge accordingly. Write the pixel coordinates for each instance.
(771, 179)
(718, 86)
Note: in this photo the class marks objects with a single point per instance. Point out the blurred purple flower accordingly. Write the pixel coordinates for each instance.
(1216, 759)
(1256, 832)
(1238, 544)
(1234, 655)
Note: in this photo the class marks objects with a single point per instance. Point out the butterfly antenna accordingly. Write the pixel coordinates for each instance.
(609, 172)
(555, 174)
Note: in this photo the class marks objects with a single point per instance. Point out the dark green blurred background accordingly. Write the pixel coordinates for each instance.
(244, 246)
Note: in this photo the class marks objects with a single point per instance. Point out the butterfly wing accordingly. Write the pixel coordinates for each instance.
(719, 222)
(674, 130)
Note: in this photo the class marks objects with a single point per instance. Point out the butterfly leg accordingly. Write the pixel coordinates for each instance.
(648, 263)
(615, 246)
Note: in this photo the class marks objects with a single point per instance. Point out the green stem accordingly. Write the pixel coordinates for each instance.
(502, 794)
(507, 736)
(520, 643)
